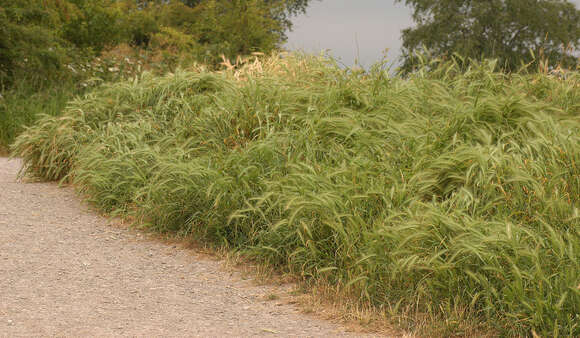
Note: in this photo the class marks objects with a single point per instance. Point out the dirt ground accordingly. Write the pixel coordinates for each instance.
(64, 271)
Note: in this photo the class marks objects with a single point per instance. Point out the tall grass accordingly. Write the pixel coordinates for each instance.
(20, 106)
(31, 95)
(451, 194)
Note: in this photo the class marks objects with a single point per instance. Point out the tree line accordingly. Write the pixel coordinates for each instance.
(515, 32)
(42, 37)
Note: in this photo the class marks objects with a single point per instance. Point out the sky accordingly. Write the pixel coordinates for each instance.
(353, 30)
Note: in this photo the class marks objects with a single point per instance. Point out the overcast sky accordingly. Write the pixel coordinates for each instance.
(353, 29)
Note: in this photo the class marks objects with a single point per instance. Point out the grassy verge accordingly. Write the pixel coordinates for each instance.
(447, 198)
(21, 106)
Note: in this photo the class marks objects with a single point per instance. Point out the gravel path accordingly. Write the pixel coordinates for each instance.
(65, 272)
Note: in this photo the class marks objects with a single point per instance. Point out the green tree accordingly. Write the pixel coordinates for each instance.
(279, 10)
(30, 45)
(289, 8)
(236, 27)
(504, 29)
(98, 26)
(216, 27)
(41, 39)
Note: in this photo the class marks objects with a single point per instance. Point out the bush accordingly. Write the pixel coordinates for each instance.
(28, 48)
(98, 25)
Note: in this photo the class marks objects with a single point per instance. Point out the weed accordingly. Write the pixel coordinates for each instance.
(449, 196)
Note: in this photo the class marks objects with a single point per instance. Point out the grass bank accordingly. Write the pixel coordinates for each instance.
(451, 196)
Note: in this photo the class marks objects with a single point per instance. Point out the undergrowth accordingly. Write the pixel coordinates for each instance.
(20, 106)
(451, 195)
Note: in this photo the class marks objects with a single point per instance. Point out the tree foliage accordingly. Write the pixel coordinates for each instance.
(30, 43)
(510, 30)
(41, 37)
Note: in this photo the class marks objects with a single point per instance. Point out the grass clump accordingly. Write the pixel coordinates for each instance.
(452, 195)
